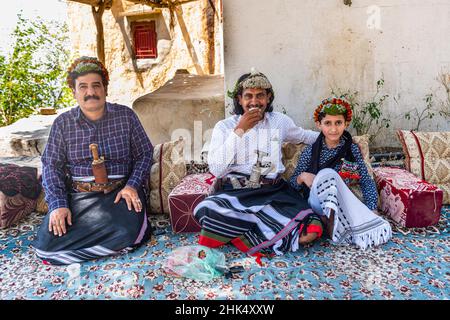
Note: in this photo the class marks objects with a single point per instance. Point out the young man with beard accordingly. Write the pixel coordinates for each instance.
(267, 217)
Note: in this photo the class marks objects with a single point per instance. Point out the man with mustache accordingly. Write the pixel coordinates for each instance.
(269, 215)
(89, 218)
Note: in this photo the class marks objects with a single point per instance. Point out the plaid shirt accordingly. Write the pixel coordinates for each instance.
(121, 140)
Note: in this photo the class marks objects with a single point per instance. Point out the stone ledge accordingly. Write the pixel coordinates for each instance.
(28, 136)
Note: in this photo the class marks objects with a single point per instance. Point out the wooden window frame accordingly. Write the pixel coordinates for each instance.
(145, 39)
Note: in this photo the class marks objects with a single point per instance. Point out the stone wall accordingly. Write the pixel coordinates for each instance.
(128, 82)
(188, 106)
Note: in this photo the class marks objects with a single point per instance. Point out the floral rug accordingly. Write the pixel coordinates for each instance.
(413, 265)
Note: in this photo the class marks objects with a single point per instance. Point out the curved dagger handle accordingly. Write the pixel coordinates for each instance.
(94, 149)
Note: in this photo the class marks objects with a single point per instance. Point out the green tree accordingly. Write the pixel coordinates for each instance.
(32, 74)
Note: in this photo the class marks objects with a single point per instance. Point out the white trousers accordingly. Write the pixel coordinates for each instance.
(354, 222)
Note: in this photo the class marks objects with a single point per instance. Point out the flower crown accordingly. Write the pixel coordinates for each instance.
(334, 106)
(86, 65)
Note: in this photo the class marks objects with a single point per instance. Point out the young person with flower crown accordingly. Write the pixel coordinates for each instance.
(323, 173)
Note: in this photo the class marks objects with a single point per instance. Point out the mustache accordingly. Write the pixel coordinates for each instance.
(91, 97)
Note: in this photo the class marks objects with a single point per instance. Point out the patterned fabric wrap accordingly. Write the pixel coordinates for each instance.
(354, 222)
(427, 155)
(363, 144)
(19, 189)
(264, 220)
(185, 197)
(408, 200)
(100, 228)
(167, 171)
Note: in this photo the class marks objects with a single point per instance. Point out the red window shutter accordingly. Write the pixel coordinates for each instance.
(145, 41)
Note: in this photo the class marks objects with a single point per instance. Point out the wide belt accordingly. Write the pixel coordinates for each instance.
(81, 186)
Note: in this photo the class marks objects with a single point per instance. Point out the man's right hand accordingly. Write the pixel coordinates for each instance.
(57, 221)
(248, 120)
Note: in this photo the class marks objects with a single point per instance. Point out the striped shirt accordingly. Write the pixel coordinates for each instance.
(121, 140)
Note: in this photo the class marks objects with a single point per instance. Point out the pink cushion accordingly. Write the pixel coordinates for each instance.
(185, 197)
(408, 200)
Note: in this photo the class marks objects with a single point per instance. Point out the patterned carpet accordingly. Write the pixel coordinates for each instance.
(414, 265)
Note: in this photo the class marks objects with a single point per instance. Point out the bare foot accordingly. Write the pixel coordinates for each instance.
(308, 238)
(328, 223)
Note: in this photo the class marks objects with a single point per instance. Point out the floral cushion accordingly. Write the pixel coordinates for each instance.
(363, 144)
(291, 152)
(407, 199)
(167, 171)
(427, 155)
(15, 208)
(185, 197)
(19, 189)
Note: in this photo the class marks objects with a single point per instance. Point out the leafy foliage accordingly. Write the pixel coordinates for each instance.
(32, 74)
(427, 113)
(368, 115)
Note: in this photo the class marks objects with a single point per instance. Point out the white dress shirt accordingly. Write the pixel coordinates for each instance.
(230, 153)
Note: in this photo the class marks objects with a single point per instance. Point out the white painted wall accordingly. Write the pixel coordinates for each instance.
(125, 84)
(306, 47)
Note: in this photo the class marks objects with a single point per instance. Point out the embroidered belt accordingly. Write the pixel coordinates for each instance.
(97, 187)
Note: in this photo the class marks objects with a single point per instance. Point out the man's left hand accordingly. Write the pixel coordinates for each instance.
(131, 197)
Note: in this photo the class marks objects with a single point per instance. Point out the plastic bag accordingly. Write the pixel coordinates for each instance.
(195, 262)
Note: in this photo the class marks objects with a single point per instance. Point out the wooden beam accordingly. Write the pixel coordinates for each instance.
(140, 13)
(95, 3)
(98, 13)
(187, 39)
(153, 4)
(210, 29)
(161, 3)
